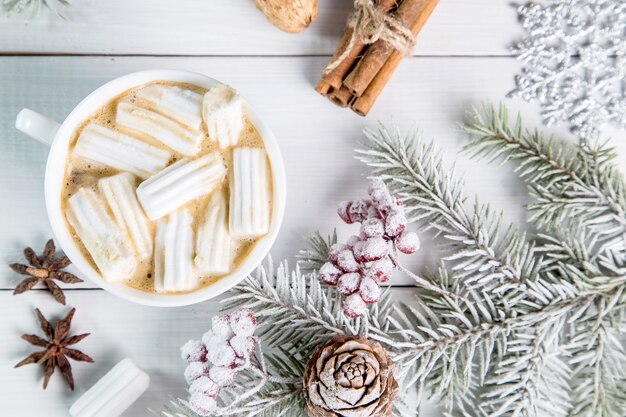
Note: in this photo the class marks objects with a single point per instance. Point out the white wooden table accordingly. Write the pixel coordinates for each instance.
(49, 65)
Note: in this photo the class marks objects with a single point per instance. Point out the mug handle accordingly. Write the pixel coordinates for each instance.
(37, 126)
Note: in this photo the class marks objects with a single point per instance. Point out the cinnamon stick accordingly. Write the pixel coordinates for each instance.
(411, 13)
(363, 104)
(323, 87)
(335, 77)
(341, 97)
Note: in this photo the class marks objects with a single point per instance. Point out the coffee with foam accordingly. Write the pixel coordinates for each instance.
(157, 182)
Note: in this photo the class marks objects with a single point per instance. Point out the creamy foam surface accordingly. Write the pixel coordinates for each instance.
(81, 173)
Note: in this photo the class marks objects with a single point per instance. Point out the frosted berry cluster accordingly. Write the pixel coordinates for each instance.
(214, 361)
(359, 266)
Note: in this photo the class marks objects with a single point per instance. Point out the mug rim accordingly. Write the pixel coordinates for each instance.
(55, 174)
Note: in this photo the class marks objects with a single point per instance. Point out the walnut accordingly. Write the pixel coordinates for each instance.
(291, 16)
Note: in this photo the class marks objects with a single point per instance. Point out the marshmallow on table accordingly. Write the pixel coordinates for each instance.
(161, 128)
(249, 214)
(173, 254)
(113, 393)
(180, 183)
(184, 106)
(108, 147)
(103, 239)
(213, 241)
(119, 192)
(223, 114)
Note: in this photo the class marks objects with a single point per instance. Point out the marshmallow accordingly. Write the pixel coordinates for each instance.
(113, 393)
(161, 128)
(108, 147)
(173, 254)
(213, 241)
(249, 214)
(180, 183)
(102, 237)
(184, 106)
(223, 114)
(119, 192)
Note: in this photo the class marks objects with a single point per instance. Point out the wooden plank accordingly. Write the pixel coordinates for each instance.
(151, 337)
(317, 138)
(189, 27)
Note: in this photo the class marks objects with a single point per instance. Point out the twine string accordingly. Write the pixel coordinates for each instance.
(369, 24)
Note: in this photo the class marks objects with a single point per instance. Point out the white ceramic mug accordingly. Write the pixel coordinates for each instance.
(58, 137)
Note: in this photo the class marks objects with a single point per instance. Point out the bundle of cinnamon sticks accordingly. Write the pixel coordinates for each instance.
(358, 77)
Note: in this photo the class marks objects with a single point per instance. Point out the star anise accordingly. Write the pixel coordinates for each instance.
(44, 269)
(56, 348)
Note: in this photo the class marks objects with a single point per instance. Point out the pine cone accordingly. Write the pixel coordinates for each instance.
(350, 377)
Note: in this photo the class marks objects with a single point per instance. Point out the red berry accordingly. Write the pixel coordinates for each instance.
(353, 211)
(352, 240)
(381, 270)
(354, 306)
(407, 242)
(369, 290)
(195, 370)
(343, 209)
(357, 249)
(372, 228)
(374, 249)
(358, 210)
(395, 223)
(193, 351)
(349, 283)
(377, 186)
(202, 404)
(222, 376)
(221, 354)
(334, 251)
(373, 213)
(329, 273)
(346, 261)
(205, 385)
(381, 197)
(243, 322)
(243, 346)
(221, 327)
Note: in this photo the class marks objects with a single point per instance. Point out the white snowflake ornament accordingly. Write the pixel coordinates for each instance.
(574, 63)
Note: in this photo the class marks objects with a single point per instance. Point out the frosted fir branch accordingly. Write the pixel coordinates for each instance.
(316, 253)
(530, 379)
(438, 350)
(272, 403)
(455, 373)
(403, 408)
(293, 308)
(31, 8)
(431, 350)
(422, 282)
(596, 354)
(480, 255)
(584, 259)
(466, 407)
(567, 181)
